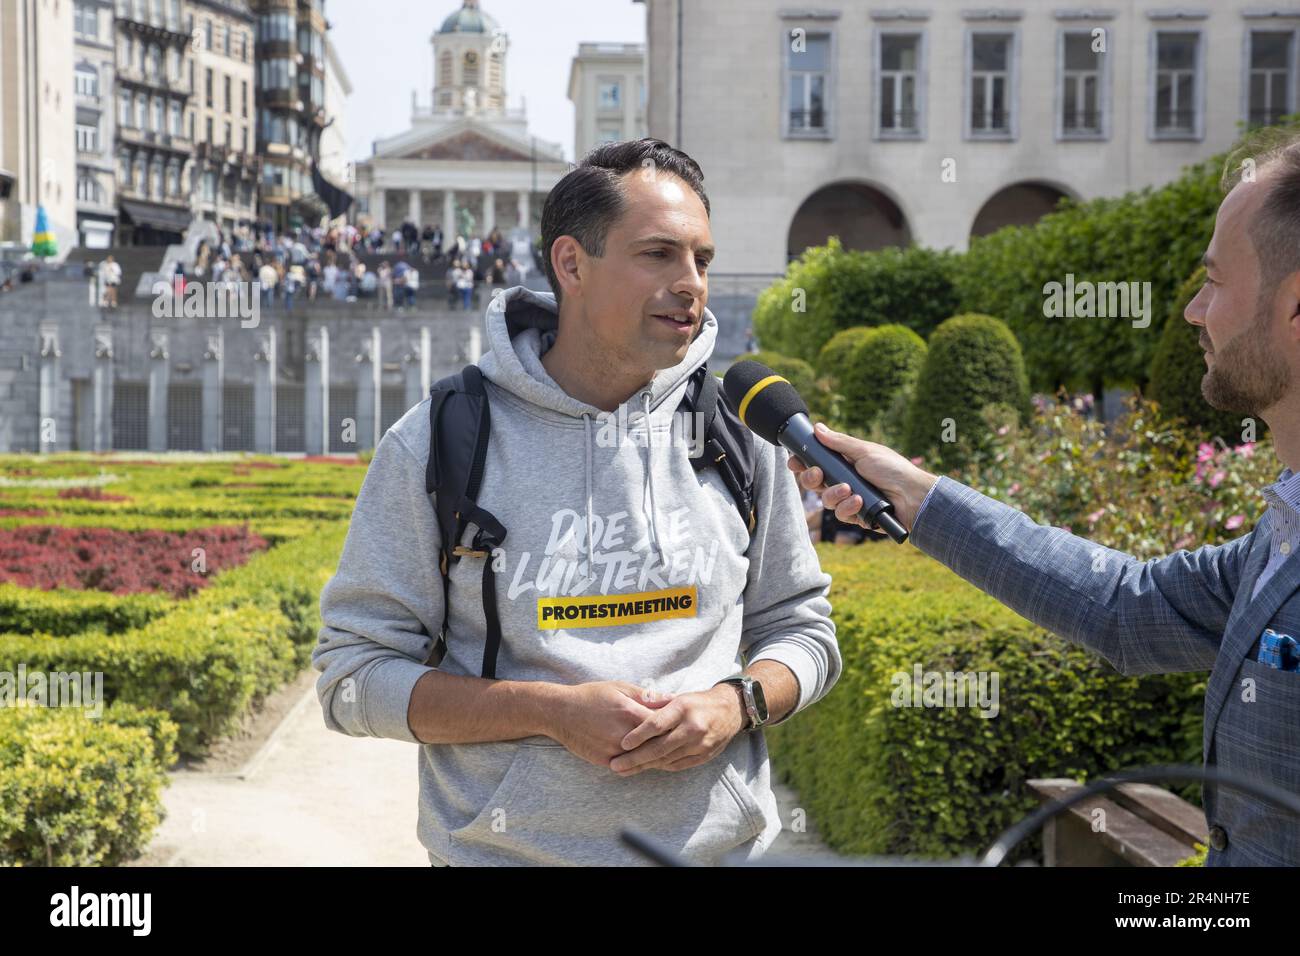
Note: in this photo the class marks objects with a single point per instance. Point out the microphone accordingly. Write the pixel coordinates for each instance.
(769, 404)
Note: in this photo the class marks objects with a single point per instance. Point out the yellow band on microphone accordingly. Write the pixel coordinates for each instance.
(757, 387)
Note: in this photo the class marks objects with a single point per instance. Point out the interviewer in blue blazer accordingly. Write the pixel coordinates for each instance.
(1232, 608)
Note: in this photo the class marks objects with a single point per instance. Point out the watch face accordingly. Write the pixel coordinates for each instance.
(760, 702)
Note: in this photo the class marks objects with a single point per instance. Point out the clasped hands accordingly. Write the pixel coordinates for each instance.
(627, 728)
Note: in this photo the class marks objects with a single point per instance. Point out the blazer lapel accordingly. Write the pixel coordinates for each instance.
(1246, 623)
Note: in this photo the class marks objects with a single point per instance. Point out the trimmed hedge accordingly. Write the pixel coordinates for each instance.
(1155, 235)
(871, 369)
(66, 611)
(208, 660)
(839, 289)
(941, 782)
(1179, 366)
(80, 791)
(972, 361)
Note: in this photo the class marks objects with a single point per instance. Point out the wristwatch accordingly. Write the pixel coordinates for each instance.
(751, 695)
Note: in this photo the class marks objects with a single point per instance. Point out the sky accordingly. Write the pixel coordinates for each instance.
(385, 49)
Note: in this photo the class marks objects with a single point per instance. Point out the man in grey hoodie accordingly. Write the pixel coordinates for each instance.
(607, 714)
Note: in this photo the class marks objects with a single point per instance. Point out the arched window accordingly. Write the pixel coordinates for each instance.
(469, 69)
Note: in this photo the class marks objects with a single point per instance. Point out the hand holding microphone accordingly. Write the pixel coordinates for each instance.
(841, 469)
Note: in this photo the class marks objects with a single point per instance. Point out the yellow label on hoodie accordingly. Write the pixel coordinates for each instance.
(607, 610)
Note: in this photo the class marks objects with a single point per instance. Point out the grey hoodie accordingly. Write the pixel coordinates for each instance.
(586, 515)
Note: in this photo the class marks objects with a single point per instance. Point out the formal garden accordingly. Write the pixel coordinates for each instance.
(191, 583)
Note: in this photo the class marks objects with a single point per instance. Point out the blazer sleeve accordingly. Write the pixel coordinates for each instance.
(1144, 617)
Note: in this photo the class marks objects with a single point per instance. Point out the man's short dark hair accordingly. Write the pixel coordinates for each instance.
(590, 198)
(1275, 230)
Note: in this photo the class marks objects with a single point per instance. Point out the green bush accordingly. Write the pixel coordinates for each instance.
(66, 611)
(877, 778)
(1156, 236)
(80, 791)
(799, 374)
(837, 289)
(1179, 366)
(973, 361)
(868, 368)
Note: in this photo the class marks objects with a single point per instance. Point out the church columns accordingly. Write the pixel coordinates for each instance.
(489, 211)
(413, 206)
(378, 202)
(525, 214)
(449, 215)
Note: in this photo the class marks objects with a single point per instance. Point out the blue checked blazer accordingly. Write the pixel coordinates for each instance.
(1185, 612)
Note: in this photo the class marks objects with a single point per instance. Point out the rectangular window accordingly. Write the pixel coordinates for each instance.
(207, 35)
(1272, 72)
(607, 95)
(243, 139)
(124, 109)
(243, 98)
(808, 70)
(207, 86)
(608, 134)
(1177, 83)
(225, 91)
(207, 130)
(87, 138)
(227, 48)
(897, 81)
(87, 82)
(85, 21)
(988, 86)
(1080, 85)
(230, 140)
(176, 118)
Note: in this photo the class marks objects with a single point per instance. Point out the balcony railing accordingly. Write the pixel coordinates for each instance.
(158, 80)
(809, 121)
(1081, 121)
(1175, 121)
(899, 121)
(150, 137)
(990, 121)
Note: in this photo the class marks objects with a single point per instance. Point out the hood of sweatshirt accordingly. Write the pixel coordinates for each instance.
(521, 324)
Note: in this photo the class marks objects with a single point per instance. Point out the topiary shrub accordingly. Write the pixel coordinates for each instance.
(973, 361)
(867, 369)
(1179, 366)
(830, 289)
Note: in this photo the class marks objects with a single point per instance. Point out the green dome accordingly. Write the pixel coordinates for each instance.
(468, 19)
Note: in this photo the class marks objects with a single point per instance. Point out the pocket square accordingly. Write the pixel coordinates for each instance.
(1280, 651)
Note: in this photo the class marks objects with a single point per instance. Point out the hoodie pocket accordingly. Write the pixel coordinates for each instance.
(553, 808)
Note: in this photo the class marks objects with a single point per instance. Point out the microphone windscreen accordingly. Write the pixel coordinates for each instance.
(765, 400)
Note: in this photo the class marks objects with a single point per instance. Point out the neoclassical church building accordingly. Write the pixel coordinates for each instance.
(468, 159)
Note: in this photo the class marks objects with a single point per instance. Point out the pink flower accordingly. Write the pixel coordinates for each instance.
(917, 460)
(1014, 488)
(1096, 516)
(1216, 479)
(1204, 451)
(1004, 429)
(1183, 542)
(1247, 450)
(1234, 522)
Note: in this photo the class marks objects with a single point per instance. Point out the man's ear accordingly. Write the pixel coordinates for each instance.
(568, 259)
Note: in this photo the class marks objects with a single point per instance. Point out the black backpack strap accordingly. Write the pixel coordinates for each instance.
(728, 442)
(459, 425)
